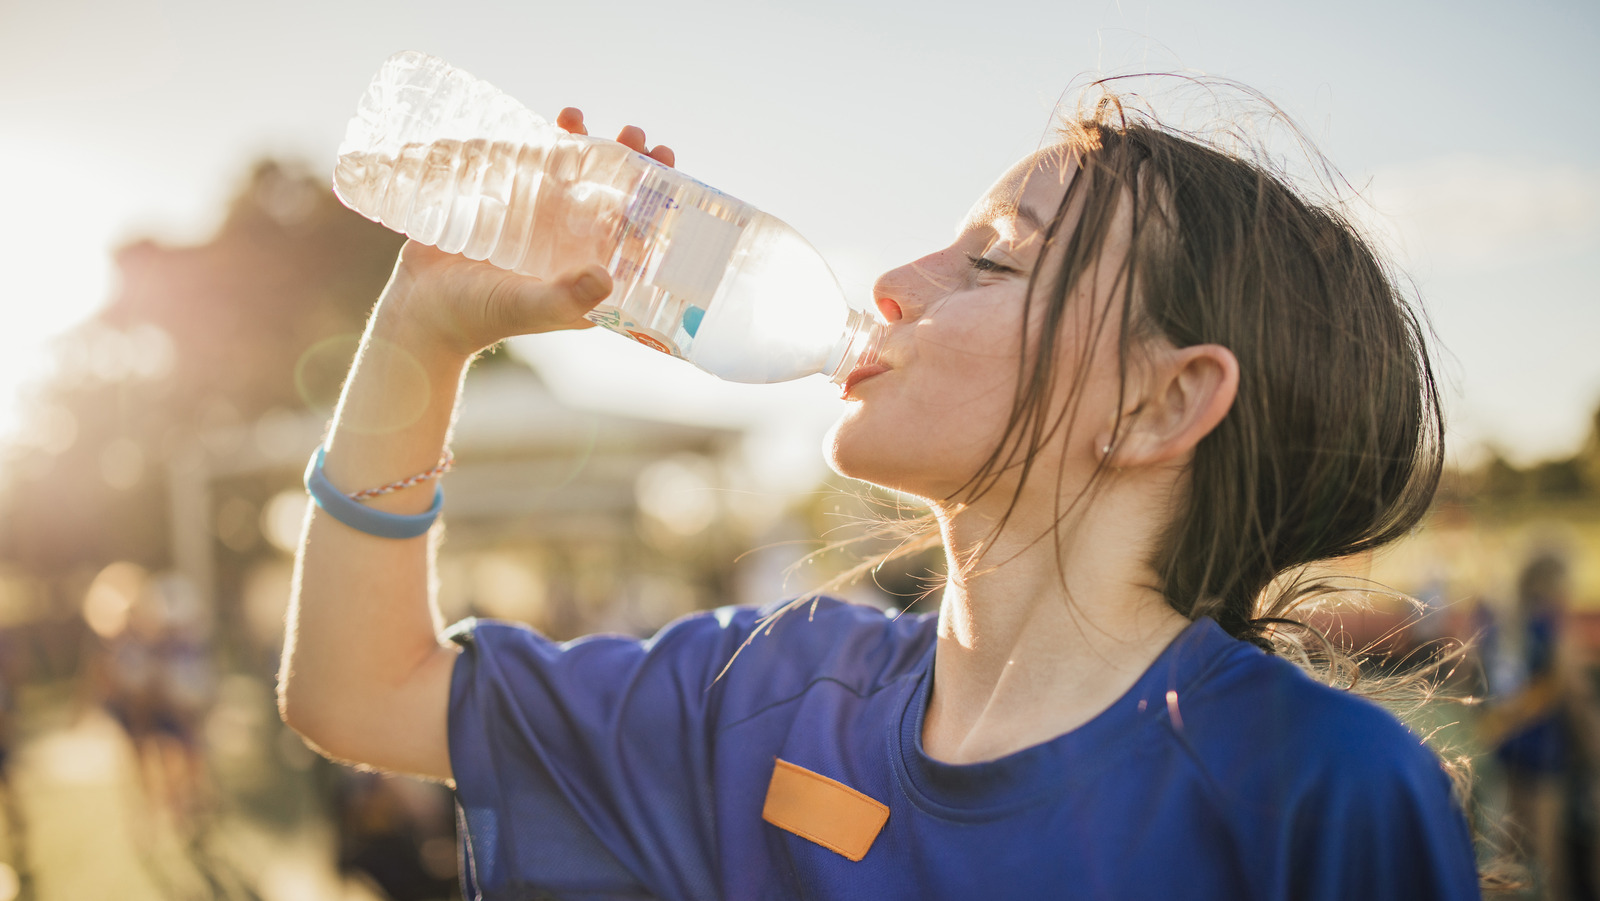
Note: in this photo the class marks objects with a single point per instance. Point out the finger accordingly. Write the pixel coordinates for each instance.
(571, 119)
(664, 155)
(632, 137)
(577, 292)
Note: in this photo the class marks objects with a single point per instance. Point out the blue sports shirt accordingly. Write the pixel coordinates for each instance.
(613, 768)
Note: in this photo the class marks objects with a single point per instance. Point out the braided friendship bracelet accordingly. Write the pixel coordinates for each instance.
(346, 509)
(446, 463)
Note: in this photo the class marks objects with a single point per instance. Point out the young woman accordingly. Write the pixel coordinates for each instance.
(1145, 384)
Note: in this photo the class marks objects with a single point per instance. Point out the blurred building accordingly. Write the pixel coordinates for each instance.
(569, 520)
(156, 495)
(178, 425)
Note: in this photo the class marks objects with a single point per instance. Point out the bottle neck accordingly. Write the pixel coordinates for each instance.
(858, 346)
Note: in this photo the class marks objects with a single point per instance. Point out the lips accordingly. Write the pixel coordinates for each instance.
(861, 374)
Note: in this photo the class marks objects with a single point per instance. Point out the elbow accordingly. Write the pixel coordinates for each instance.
(372, 721)
(305, 702)
(291, 704)
(298, 709)
(315, 726)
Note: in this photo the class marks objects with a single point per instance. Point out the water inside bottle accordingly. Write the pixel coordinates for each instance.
(723, 285)
(698, 274)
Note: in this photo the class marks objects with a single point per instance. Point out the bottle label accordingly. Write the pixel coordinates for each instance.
(649, 206)
(698, 250)
(678, 239)
(610, 317)
(653, 340)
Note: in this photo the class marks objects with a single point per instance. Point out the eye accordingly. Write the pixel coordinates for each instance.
(984, 264)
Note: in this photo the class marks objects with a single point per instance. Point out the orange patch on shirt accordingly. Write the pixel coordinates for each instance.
(823, 810)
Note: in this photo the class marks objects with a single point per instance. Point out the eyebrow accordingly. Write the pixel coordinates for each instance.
(1026, 215)
(1030, 216)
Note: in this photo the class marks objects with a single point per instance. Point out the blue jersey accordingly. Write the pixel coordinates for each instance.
(610, 768)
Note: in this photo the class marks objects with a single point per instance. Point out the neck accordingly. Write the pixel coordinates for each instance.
(1040, 628)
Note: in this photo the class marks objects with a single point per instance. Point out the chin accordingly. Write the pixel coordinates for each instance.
(887, 461)
(838, 448)
(854, 452)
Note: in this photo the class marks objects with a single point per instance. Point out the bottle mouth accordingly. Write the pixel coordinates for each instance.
(857, 347)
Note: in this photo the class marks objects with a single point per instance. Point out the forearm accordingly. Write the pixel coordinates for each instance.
(364, 675)
(362, 623)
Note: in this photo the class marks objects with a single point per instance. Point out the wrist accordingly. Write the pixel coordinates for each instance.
(402, 319)
(399, 397)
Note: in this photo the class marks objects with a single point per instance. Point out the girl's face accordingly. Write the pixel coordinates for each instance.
(931, 417)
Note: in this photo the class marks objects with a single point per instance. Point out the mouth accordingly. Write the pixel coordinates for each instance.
(859, 375)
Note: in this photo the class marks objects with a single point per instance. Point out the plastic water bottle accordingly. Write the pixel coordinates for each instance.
(451, 161)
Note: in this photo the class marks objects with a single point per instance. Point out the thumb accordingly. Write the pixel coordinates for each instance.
(580, 290)
(559, 303)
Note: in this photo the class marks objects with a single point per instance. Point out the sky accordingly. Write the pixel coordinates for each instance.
(1468, 129)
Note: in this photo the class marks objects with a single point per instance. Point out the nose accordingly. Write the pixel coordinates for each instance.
(896, 289)
(888, 309)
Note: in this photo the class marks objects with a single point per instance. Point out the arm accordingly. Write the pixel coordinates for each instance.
(364, 676)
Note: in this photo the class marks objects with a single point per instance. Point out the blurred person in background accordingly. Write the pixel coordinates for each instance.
(1544, 726)
(154, 674)
(396, 835)
(1146, 383)
(156, 680)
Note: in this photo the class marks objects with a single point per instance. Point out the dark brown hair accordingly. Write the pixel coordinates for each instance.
(1334, 444)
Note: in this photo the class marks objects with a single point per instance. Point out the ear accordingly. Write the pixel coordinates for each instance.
(1187, 391)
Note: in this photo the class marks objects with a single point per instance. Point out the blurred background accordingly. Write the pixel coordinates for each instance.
(182, 295)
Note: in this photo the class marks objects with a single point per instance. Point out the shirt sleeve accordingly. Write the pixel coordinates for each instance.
(583, 768)
(1388, 829)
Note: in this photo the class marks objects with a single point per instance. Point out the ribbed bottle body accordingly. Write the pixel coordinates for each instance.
(449, 160)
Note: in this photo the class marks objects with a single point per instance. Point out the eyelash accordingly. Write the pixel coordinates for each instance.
(984, 264)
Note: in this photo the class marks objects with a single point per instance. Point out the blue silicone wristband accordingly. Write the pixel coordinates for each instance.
(362, 518)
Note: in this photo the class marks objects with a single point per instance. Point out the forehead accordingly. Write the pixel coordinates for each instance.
(1030, 191)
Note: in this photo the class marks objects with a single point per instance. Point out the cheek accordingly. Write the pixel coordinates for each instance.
(928, 427)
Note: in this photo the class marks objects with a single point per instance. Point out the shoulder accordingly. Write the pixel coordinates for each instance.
(775, 645)
(1326, 735)
(1342, 798)
(797, 643)
(1279, 746)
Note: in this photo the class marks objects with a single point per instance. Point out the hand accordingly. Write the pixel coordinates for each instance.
(467, 305)
(631, 136)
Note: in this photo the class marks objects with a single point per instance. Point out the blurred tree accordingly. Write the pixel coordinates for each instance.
(195, 338)
(1558, 479)
(1499, 482)
(1588, 458)
(1498, 479)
